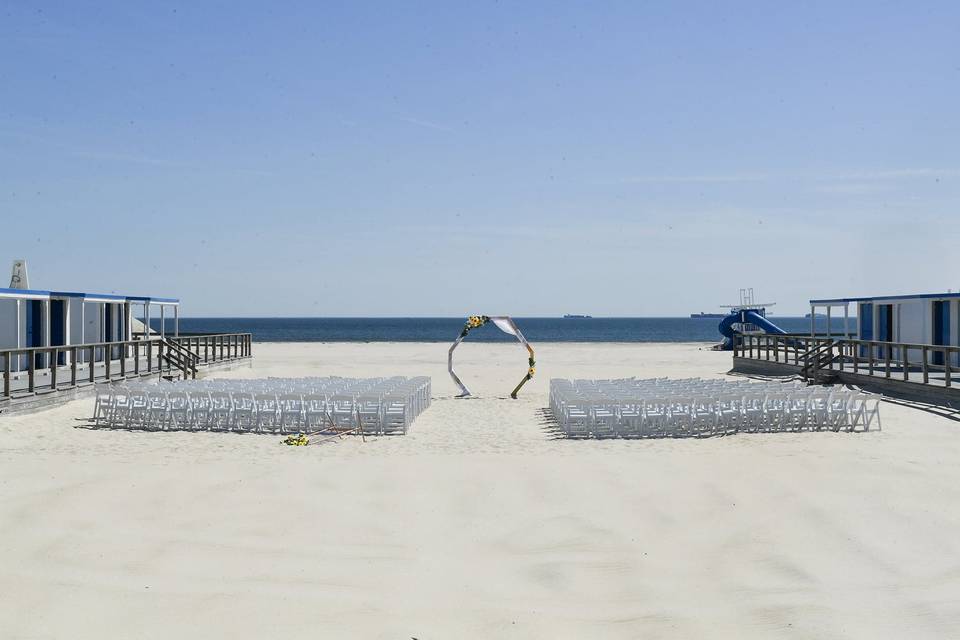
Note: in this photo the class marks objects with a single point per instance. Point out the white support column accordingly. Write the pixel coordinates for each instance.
(829, 330)
(146, 318)
(66, 328)
(163, 324)
(47, 335)
(176, 320)
(83, 326)
(846, 320)
(813, 320)
(19, 329)
(128, 326)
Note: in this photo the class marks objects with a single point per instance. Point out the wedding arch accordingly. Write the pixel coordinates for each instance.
(505, 324)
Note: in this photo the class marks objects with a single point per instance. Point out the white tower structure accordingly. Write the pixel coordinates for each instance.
(18, 275)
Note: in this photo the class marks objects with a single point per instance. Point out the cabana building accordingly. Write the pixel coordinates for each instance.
(901, 345)
(32, 318)
(55, 344)
(918, 319)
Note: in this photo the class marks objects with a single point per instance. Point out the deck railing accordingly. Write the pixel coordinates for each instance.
(911, 362)
(28, 370)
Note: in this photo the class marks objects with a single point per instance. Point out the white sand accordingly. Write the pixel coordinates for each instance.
(477, 524)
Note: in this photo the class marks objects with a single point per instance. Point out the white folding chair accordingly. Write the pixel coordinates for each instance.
(292, 417)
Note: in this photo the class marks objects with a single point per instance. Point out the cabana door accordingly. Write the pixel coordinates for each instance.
(33, 329)
(885, 328)
(58, 328)
(941, 327)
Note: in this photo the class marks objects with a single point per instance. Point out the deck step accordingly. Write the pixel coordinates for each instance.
(181, 357)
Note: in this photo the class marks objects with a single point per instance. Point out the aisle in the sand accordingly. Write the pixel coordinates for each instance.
(505, 324)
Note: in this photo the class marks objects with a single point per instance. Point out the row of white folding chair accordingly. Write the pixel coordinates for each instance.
(674, 415)
(172, 407)
(262, 412)
(633, 390)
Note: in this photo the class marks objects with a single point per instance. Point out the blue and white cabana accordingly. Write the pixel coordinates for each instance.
(40, 318)
(925, 318)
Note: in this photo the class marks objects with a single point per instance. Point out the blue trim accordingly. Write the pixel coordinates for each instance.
(104, 296)
(915, 296)
(78, 294)
(153, 299)
(25, 292)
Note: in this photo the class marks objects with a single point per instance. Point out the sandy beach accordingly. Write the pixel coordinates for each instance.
(479, 523)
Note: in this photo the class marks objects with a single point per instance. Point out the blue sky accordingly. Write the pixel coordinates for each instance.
(405, 159)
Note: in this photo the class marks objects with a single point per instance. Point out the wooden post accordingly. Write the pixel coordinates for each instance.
(906, 362)
(123, 360)
(136, 358)
(107, 357)
(870, 358)
(946, 367)
(856, 356)
(7, 369)
(886, 361)
(73, 366)
(53, 369)
(926, 372)
(91, 363)
(150, 356)
(31, 370)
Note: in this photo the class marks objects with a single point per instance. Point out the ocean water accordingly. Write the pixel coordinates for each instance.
(446, 329)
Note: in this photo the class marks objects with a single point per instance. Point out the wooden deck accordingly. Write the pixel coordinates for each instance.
(929, 372)
(28, 382)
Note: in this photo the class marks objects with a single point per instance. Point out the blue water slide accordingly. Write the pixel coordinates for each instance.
(744, 316)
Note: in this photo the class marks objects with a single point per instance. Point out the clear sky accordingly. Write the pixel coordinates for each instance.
(530, 158)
